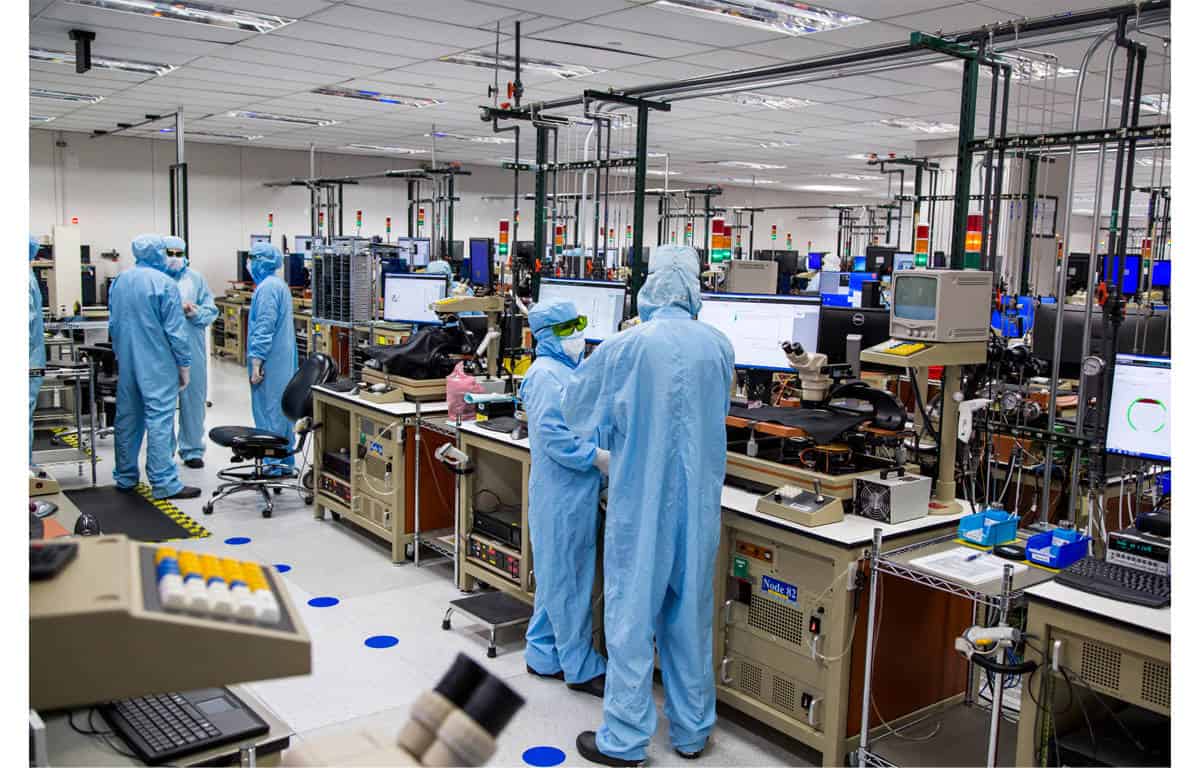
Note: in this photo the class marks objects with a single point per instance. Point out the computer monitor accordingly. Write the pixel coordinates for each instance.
(788, 261)
(839, 322)
(860, 264)
(302, 243)
(414, 249)
(756, 325)
(835, 283)
(406, 298)
(242, 271)
(602, 302)
(480, 261)
(936, 305)
(1160, 274)
(879, 259)
(1077, 274)
(1132, 272)
(294, 271)
(903, 261)
(454, 252)
(1139, 414)
(815, 260)
(256, 239)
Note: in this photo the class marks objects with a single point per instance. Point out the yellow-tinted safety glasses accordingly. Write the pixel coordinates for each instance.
(570, 326)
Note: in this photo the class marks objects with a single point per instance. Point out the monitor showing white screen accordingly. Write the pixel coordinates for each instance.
(301, 244)
(415, 250)
(1139, 416)
(903, 261)
(406, 298)
(603, 303)
(757, 325)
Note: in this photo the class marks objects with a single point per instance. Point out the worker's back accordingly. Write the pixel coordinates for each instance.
(140, 309)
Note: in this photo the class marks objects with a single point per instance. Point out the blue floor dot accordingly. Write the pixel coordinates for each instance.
(235, 540)
(323, 602)
(543, 756)
(282, 567)
(381, 641)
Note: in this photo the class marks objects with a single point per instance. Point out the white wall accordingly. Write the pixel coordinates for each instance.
(118, 188)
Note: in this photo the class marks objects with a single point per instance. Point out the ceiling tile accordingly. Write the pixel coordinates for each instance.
(635, 43)
(683, 26)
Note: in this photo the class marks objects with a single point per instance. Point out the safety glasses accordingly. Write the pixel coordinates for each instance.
(570, 326)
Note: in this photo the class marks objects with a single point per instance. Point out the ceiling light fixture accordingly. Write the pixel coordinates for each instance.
(752, 182)
(123, 65)
(1154, 103)
(855, 177)
(385, 148)
(489, 61)
(827, 188)
(45, 93)
(765, 100)
(40, 118)
(745, 164)
(189, 133)
(242, 114)
(862, 156)
(921, 126)
(649, 172)
(196, 13)
(1023, 70)
(382, 98)
(474, 139)
(782, 16)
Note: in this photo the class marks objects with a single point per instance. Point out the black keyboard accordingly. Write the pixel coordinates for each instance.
(168, 726)
(1117, 582)
(505, 424)
(46, 559)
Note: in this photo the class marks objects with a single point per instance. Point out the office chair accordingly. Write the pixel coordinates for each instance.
(257, 445)
(104, 369)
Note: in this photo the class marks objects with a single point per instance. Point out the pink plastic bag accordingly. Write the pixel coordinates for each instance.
(458, 385)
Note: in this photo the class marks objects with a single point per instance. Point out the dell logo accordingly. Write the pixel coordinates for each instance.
(857, 320)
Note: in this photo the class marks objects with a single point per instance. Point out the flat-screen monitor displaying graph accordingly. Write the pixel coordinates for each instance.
(1139, 416)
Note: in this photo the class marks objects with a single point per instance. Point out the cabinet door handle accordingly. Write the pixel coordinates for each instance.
(725, 678)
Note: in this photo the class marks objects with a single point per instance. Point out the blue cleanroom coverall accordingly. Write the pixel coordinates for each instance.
(193, 294)
(270, 344)
(37, 340)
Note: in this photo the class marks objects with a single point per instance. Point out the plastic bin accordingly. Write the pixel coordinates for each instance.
(988, 528)
(1056, 549)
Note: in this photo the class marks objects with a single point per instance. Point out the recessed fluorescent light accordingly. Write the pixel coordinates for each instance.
(1150, 162)
(489, 61)
(123, 65)
(787, 18)
(385, 148)
(855, 177)
(827, 188)
(1022, 70)
(189, 133)
(44, 93)
(382, 98)
(196, 13)
(40, 118)
(921, 126)
(293, 119)
(862, 156)
(649, 172)
(765, 100)
(464, 137)
(746, 164)
(753, 182)
(1154, 103)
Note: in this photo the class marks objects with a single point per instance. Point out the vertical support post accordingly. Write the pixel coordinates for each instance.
(639, 261)
(539, 203)
(962, 174)
(1033, 164)
(751, 238)
(865, 724)
(179, 183)
(449, 215)
(918, 185)
(707, 220)
(412, 194)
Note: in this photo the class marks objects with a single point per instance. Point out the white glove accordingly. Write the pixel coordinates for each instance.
(256, 376)
(185, 376)
(601, 461)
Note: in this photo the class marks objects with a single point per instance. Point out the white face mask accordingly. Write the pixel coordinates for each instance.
(573, 346)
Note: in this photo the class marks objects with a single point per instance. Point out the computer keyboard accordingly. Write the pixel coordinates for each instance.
(1117, 582)
(168, 726)
(46, 559)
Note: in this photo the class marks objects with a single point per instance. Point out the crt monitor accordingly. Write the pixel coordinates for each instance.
(1139, 414)
(937, 305)
(756, 325)
(839, 322)
(480, 261)
(415, 250)
(406, 297)
(601, 302)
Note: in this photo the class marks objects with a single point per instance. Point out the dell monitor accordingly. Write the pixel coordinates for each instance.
(406, 297)
(480, 261)
(950, 305)
(415, 250)
(601, 302)
(757, 325)
(839, 322)
(1139, 414)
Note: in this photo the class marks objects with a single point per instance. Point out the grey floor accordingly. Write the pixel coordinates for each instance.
(353, 686)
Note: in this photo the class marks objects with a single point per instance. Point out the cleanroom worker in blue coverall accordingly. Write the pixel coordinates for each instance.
(270, 345)
(37, 340)
(657, 396)
(149, 338)
(200, 311)
(564, 497)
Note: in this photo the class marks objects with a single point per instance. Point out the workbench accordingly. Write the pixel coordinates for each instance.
(229, 330)
(1117, 649)
(819, 557)
(365, 470)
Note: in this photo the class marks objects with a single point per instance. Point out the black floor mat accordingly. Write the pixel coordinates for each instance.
(137, 515)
